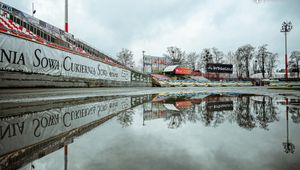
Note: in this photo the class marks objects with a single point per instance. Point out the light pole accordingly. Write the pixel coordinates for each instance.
(33, 10)
(143, 61)
(286, 27)
(255, 71)
(66, 16)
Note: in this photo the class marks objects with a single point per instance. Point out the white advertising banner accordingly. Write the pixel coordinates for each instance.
(21, 55)
(22, 131)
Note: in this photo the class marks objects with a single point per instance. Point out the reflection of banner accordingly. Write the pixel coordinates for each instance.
(219, 106)
(29, 129)
(183, 104)
(25, 56)
(158, 110)
(219, 68)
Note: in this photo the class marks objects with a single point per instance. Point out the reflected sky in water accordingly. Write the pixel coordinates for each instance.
(188, 131)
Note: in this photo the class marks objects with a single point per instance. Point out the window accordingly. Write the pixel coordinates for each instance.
(31, 28)
(38, 32)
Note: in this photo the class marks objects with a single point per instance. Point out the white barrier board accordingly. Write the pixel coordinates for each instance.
(25, 56)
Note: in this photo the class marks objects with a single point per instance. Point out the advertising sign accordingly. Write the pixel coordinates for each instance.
(153, 64)
(219, 68)
(183, 71)
(25, 56)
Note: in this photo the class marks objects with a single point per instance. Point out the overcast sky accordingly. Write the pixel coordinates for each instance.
(153, 25)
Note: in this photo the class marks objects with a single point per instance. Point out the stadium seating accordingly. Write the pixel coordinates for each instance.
(9, 26)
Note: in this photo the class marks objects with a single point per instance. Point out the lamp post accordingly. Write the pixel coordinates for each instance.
(143, 61)
(286, 27)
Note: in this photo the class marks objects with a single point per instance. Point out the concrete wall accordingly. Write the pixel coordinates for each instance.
(10, 79)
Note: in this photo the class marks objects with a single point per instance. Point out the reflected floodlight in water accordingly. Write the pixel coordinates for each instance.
(288, 146)
(286, 27)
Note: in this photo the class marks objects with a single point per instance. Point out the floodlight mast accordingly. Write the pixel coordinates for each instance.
(286, 27)
(66, 16)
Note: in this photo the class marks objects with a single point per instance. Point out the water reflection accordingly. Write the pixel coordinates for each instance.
(246, 110)
(288, 146)
(126, 118)
(26, 137)
(29, 136)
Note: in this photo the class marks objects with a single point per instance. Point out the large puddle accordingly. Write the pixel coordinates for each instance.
(183, 130)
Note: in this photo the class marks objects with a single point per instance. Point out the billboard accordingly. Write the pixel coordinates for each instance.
(29, 57)
(183, 71)
(153, 64)
(219, 68)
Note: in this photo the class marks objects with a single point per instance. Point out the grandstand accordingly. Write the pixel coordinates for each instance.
(22, 25)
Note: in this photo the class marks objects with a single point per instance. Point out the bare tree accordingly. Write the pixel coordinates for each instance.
(176, 120)
(206, 57)
(244, 117)
(126, 117)
(265, 61)
(218, 56)
(265, 111)
(261, 57)
(191, 60)
(244, 55)
(295, 112)
(271, 63)
(230, 59)
(176, 55)
(295, 61)
(125, 56)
